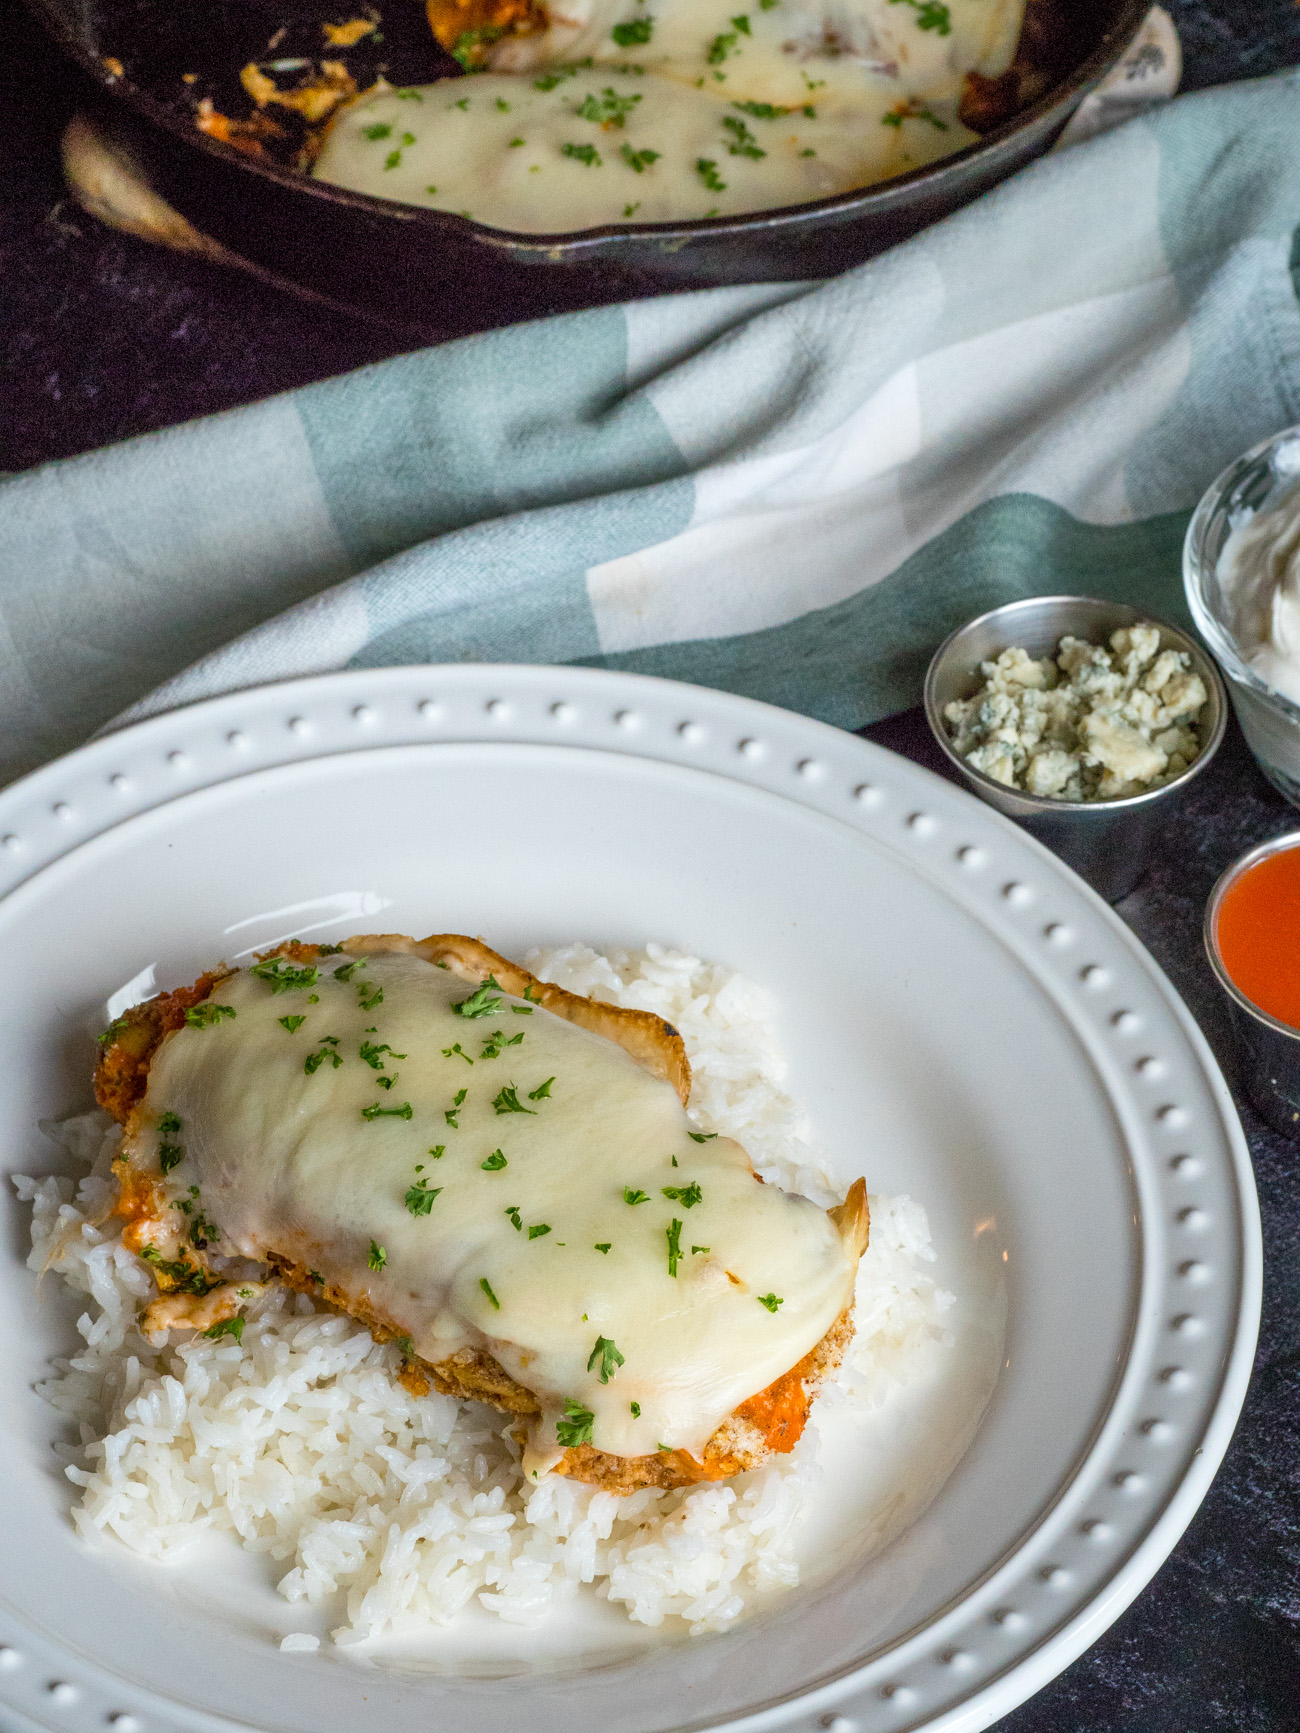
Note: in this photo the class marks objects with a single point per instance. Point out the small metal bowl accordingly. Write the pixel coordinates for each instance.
(1269, 1049)
(1107, 842)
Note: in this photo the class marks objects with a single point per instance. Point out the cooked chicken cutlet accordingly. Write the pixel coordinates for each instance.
(495, 1173)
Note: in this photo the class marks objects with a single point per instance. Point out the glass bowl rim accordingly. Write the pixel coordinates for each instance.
(1216, 635)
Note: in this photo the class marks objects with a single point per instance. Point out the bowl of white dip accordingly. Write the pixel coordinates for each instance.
(1241, 569)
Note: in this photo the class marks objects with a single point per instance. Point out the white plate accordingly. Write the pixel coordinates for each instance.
(967, 1021)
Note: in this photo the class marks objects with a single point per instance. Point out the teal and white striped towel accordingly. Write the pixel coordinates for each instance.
(791, 492)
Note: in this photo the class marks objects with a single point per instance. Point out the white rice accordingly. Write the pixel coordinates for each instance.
(301, 1442)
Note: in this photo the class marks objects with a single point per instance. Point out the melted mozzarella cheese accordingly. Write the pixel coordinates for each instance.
(701, 111)
(781, 51)
(326, 1167)
(545, 162)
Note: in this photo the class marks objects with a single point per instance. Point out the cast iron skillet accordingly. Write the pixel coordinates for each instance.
(436, 271)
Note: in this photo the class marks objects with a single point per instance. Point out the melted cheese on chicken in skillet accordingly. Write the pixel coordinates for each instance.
(609, 111)
(474, 1173)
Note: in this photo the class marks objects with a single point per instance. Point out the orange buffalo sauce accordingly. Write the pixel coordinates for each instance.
(1258, 932)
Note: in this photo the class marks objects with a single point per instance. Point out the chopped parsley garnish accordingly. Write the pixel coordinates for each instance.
(452, 1114)
(202, 1231)
(368, 995)
(335, 950)
(481, 1002)
(913, 111)
(419, 1199)
(723, 44)
(514, 145)
(930, 15)
(770, 1301)
(606, 1356)
(512, 1210)
(604, 1245)
(549, 80)
(205, 1015)
(493, 1043)
(701, 1136)
(674, 1236)
(456, 1051)
(631, 210)
(607, 109)
(634, 33)
(407, 1347)
(494, 1163)
(370, 1053)
(316, 1277)
(507, 1101)
(487, 1289)
(282, 976)
(467, 50)
(634, 1408)
(763, 110)
(695, 1249)
(542, 1091)
(328, 1050)
(378, 1257)
(522, 1010)
(291, 1023)
(227, 1327)
(437, 1152)
(114, 1029)
(707, 170)
(405, 1111)
(170, 1154)
(380, 129)
(582, 153)
(686, 1195)
(630, 1196)
(503, 105)
(538, 1229)
(742, 24)
(743, 141)
(345, 971)
(186, 1278)
(638, 160)
(576, 1426)
(533, 998)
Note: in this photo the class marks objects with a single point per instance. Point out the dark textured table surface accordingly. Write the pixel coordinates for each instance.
(103, 337)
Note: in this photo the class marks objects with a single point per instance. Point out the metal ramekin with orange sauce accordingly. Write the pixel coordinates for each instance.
(1252, 938)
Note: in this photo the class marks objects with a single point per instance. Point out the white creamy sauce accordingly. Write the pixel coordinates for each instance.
(505, 1257)
(718, 112)
(1259, 576)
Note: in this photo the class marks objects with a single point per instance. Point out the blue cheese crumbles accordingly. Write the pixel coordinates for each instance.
(1093, 723)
